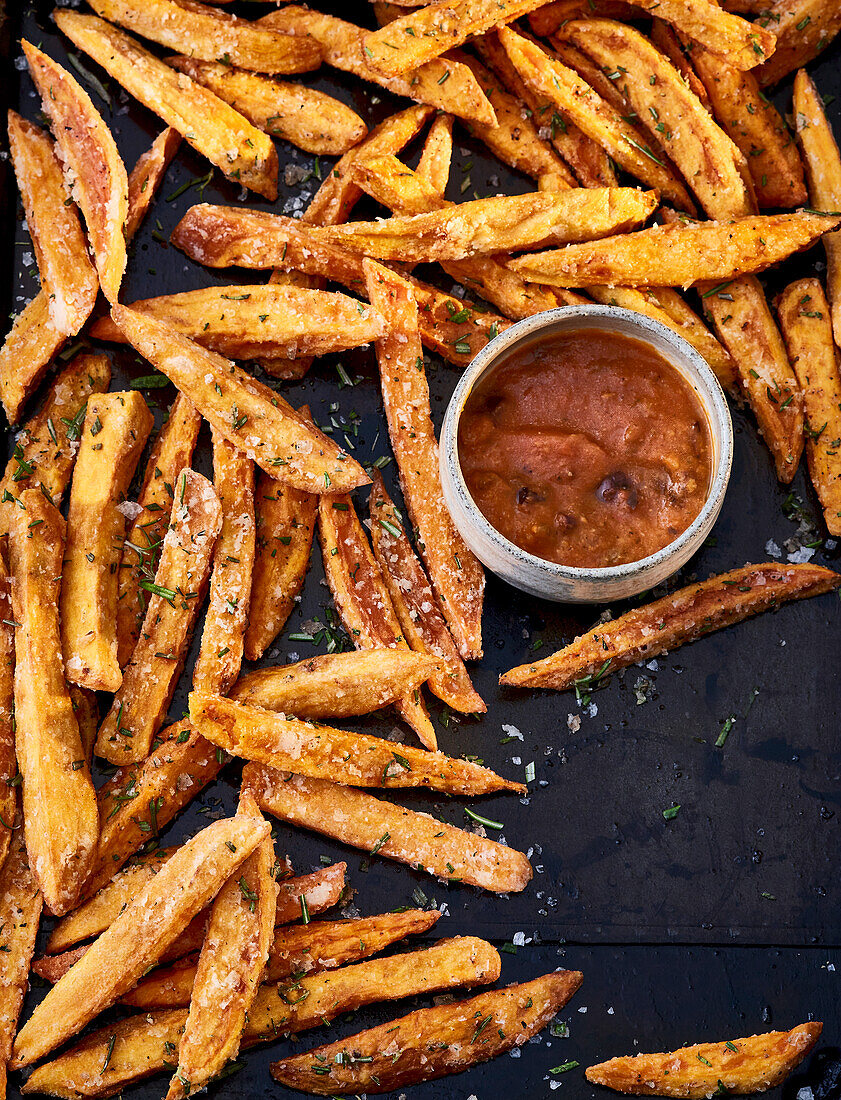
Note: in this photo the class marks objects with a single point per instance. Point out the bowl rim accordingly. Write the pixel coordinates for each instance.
(713, 400)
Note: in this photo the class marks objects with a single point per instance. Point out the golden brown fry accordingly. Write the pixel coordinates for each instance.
(26, 353)
(290, 370)
(668, 42)
(362, 599)
(59, 804)
(823, 171)
(68, 277)
(146, 177)
(86, 709)
(357, 760)
(113, 436)
(432, 1042)
(140, 705)
(803, 29)
(100, 183)
(546, 19)
(8, 760)
(673, 620)
(358, 818)
(679, 254)
(739, 1066)
(434, 164)
(244, 153)
(735, 41)
(805, 321)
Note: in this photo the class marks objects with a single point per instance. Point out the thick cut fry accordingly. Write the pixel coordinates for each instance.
(68, 277)
(220, 656)
(8, 760)
(420, 618)
(668, 42)
(147, 175)
(312, 120)
(456, 574)
(321, 752)
(673, 620)
(362, 599)
(59, 804)
(434, 164)
(443, 83)
(336, 685)
(823, 171)
(432, 1042)
(100, 183)
(807, 329)
(358, 818)
(140, 934)
(290, 370)
(235, 950)
(803, 29)
(679, 254)
(285, 520)
(171, 453)
(739, 1066)
(244, 153)
(113, 436)
(139, 707)
(26, 354)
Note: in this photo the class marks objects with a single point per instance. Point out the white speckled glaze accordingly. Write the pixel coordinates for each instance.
(560, 582)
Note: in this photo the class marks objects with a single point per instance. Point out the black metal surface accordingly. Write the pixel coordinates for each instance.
(751, 857)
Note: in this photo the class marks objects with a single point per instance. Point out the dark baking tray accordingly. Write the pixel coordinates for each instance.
(752, 857)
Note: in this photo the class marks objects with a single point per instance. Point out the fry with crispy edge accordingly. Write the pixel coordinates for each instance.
(679, 254)
(362, 599)
(683, 616)
(437, 154)
(803, 29)
(336, 685)
(138, 937)
(68, 277)
(146, 177)
(8, 760)
(357, 760)
(140, 1045)
(244, 153)
(358, 818)
(290, 370)
(113, 436)
(59, 803)
(668, 42)
(805, 321)
(443, 83)
(823, 171)
(432, 1042)
(739, 1066)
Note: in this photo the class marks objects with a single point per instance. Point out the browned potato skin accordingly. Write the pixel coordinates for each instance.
(739, 1066)
(432, 1042)
(26, 353)
(683, 616)
(803, 28)
(437, 154)
(146, 177)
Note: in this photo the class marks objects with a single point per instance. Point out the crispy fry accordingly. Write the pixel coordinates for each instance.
(358, 818)
(803, 29)
(86, 709)
(290, 370)
(100, 186)
(739, 1066)
(434, 164)
(432, 1042)
(443, 83)
(679, 254)
(214, 129)
(146, 177)
(139, 935)
(362, 599)
(68, 277)
(667, 41)
(673, 620)
(805, 321)
(321, 752)
(8, 760)
(546, 19)
(823, 171)
(735, 41)
(113, 436)
(59, 804)
(140, 705)
(26, 354)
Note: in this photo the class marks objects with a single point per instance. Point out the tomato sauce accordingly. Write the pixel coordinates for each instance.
(587, 448)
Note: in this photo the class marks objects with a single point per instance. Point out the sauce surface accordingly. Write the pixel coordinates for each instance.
(587, 448)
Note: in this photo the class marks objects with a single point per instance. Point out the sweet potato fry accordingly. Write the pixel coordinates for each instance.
(807, 329)
(140, 705)
(244, 153)
(432, 1042)
(823, 171)
(113, 436)
(443, 83)
(434, 164)
(741, 1066)
(358, 818)
(673, 620)
(679, 254)
(26, 353)
(8, 760)
(68, 277)
(140, 934)
(100, 186)
(59, 804)
(668, 42)
(321, 752)
(290, 370)
(362, 599)
(803, 29)
(146, 177)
